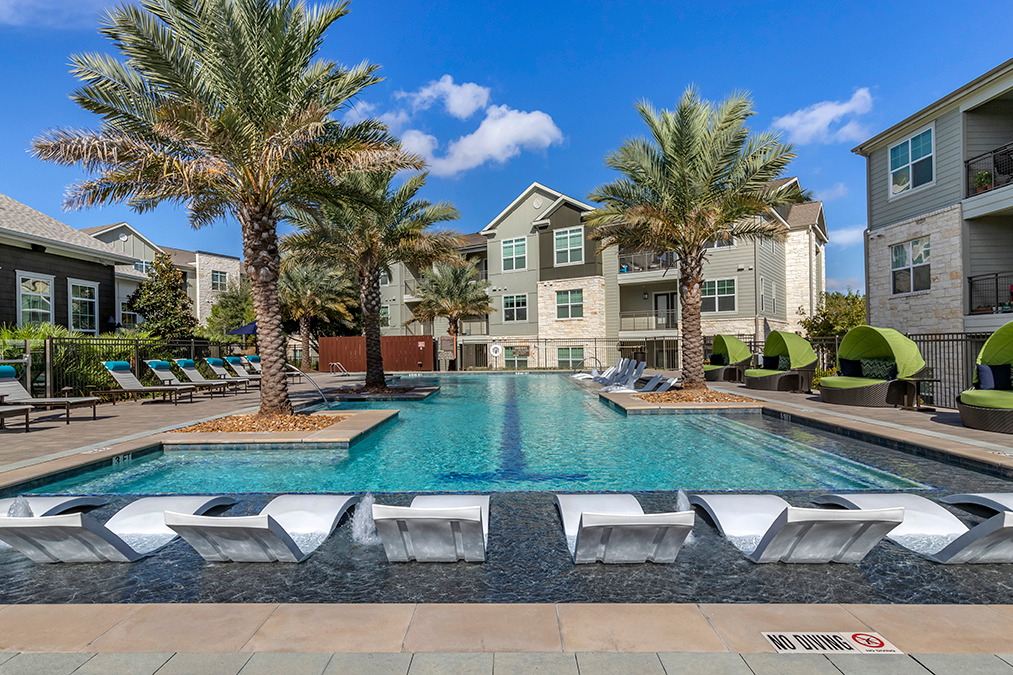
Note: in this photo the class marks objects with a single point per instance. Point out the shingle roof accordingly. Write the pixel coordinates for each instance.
(130, 271)
(472, 240)
(804, 214)
(780, 182)
(24, 222)
(180, 257)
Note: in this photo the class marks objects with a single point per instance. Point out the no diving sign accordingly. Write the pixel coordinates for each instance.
(830, 643)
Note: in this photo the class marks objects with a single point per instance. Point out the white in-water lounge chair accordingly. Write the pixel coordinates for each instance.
(435, 528)
(621, 370)
(629, 380)
(996, 502)
(615, 529)
(50, 506)
(651, 385)
(933, 532)
(288, 529)
(768, 529)
(137, 530)
(594, 374)
(668, 384)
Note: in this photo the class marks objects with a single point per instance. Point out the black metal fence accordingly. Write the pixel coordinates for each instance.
(991, 293)
(662, 353)
(990, 170)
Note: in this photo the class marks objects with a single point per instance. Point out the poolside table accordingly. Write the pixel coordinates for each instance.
(913, 391)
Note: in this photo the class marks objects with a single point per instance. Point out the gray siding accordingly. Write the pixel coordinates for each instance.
(724, 263)
(564, 218)
(134, 246)
(771, 270)
(990, 245)
(988, 127)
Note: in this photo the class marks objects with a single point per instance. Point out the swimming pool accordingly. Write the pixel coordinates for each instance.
(524, 432)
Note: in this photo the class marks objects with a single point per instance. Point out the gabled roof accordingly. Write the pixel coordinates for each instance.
(544, 216)
(807, 214)
(180, 258)
(102, 229)
(556, 195)
(23, 223)
(779, 183)
(475, 240)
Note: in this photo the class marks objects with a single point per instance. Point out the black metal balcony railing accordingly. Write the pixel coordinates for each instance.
(630, 263)
(991, 170)
(658, 320)
(991, 293)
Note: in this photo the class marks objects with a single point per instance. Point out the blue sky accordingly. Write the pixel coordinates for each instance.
(499, 95)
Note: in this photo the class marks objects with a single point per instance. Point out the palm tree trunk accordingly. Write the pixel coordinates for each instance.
(369, 291)
(260, 244)
(452, 330)
(690, 296)
(304, 337)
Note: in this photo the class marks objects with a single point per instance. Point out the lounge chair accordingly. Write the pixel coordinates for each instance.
(121, 372)
(252, 362)
(163, 371)
(629, 380)
(994, 502)
(784, 349)
(615, 529)
(137, 530)
(934, 533)
(15, 393)
(15, 411)
(594, 374)
(727, 354)
(435, 528)
(236, 364)
(50, 506)
(768, 529)
(189, 369)
(651, 385)
(217, 367)
(989, 404)
(668, 384)
(872, 364)
(288, 529)
(621, 370)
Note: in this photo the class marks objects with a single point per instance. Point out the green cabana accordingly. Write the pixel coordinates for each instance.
(802, 362)
(990, 409)
(997, 350)
(781, 343)
(876, 344)
(733, 352)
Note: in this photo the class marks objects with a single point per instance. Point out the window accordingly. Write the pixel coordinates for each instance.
(219, 280)
(570, 304)
(909, 264)
(514, 254)
(569, 246)
(569, 357)
(911, 163)
(128, 319)
(385, 317)
(384, 278)
(143, 266)
(35, 306)
(83, 306)
(515, 308)
(516, 357)
(718, 296)
(721, 243)
(768, 299)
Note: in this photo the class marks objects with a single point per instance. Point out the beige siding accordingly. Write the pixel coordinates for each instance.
(134, 246)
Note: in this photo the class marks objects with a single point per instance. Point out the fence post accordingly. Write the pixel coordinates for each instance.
(48, 357)
(137, 358)
(192, 350)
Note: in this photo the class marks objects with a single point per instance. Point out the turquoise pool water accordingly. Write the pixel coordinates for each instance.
(516, 433)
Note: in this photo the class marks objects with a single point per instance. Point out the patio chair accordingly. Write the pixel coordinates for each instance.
(872, 364)
(435, 528)
(727, 354)
(615, 529)
(189, 368)
(16, 411)
(768, 529)
(629, 380)
(934, 533)
(137, 530)
(989, 404)
(787, 359)
(651, 385)
(217, 367)
(163, 371)
(288, 529)
(124, 376)
(236, 364)
(15, 393)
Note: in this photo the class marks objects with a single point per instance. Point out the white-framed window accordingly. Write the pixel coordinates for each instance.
(35, 298)
(768, 299)
(515, 254)
(718, 296)
(82, 297)
(569, 246)
(721, 243)
(912, 163)
(128, 320)
(385, 317)
(516, 358)
(909, 266)
(384, 278)
(219, 280)
(569, 357)
(515, 308)
(570, 304)
(143, 266)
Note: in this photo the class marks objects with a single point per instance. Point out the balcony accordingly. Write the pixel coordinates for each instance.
(991, 293)
(632, 263)
(649, 321)
(989, 171)
(475, 326)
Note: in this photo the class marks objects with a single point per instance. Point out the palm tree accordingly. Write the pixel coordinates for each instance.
(311, 292)
(221, 105)
(366, 236)
(452, 291)
(701, 178)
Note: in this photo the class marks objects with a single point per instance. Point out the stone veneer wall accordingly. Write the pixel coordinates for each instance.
(206, 263)
(802, 275)
(937, 310)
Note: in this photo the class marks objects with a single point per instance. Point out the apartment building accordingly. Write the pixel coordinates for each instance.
(939, 246)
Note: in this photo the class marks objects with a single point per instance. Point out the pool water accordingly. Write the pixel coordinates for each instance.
(503, 433)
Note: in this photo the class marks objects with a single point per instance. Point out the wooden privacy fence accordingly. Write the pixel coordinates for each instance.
(400, 352)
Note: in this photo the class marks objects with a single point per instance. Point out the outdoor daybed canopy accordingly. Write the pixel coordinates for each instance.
(730, 351)
(989, 405)
(869, 362)
(784, 349)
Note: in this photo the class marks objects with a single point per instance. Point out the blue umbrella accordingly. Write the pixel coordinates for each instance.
(248, 329)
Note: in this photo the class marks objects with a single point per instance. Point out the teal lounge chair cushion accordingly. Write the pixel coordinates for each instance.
(117, 365)
(844, 382)
(253, 358)
(8, 371)
(988, 398)
(232, 359)
(214, 362)
(185, 363)
(159, 365)
(762, 372)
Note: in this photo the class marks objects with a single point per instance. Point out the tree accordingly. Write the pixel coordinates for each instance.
(162, 300)
(384, 226)
(452, 291)
(234, 307)
(701, 178)
(309, 292)
(221, 105)
(835, 315)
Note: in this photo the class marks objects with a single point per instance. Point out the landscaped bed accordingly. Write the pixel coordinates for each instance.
(695, 395)
(248, 423)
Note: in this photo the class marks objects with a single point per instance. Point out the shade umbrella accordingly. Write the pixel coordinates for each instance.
(248, 329)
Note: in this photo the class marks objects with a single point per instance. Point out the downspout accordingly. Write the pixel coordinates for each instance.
(812, 256)
(868, 229)
(756, 289)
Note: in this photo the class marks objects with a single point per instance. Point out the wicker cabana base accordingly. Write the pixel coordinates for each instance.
(986, 419)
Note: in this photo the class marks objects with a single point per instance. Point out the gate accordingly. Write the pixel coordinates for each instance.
(400, 352)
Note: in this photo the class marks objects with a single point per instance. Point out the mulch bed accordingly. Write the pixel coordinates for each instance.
(248, 423)
(696, 395)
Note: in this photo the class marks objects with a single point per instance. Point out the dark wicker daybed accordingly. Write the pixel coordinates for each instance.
(728, 352)
(990, 409)
(801, 364)
(869, 362)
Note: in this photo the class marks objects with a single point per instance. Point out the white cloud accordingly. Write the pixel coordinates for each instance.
(847, 236)
(845, 284)
(51, 14)
(502, 135)
(395, 120)
(822, 122)
(460, 100)
(831, 193)
(359, 111)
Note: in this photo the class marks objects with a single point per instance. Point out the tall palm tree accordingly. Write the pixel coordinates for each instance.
(312, 292)
(702, 177)
(452, 291)
(221, 105)
(366, 236)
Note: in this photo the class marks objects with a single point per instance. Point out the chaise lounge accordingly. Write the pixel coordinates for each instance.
(435, 528)
(15, 393)
(989, 404)
(872, 363)
(728, 353)
(163, 371)
(788, 364)
(124, 376)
